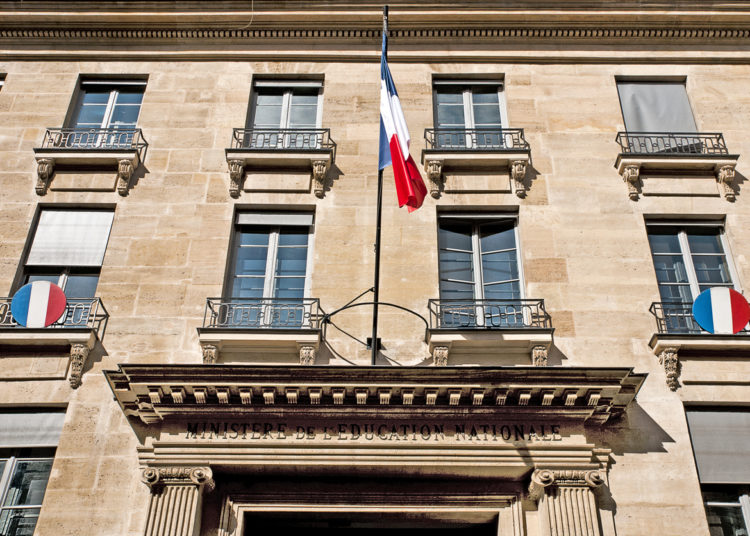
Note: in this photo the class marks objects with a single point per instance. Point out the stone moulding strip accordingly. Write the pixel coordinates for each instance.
(602, 393)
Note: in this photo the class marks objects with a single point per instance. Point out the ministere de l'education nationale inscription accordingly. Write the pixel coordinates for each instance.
(373, 431)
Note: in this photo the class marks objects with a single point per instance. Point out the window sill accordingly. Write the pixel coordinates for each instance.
(489, 347)
(261, 345)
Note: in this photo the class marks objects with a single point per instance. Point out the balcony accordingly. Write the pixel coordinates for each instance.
(117, 148)
(274, 327)
(686, 350)
(80, 327)
(461, 149)
(697, 153)
(263, 149)
(489, 331)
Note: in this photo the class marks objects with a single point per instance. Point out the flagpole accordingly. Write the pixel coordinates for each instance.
(376, 285)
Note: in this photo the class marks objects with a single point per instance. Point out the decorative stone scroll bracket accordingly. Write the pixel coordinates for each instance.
(307, 355)
(45, 167)
(518, 174)
(236, 174)
(319, 175)
(176, 497)
(434, 169)
(539, 356)
(567, 501)
(124, 172)
(632, 177)
(79, 353)
(210, 353)
(724, 179)
(670, 360)
(440, 356)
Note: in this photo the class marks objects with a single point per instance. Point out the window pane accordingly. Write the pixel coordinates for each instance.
(502, 291)
(129, 96)
(290, 287)
(124, 116)
(497, 236)
(251, 260)
(486, 114)
(664, 241)
(291, 261)
(305, 96)
(499, 266)
(450, 115)
(451, 290)
(270, 98)
(267, 116)
(247, 287)
(28, 483)
(711, 269)
(81, 286)
(256, 237)
(704, 241)
(90, 116)
(302, 116)
(484, 95)
(455, 96)
(52, 278)
(725, 521)
(455, 235)
(670, 269)
(676, 293)
(456, 266)
(293, 236)
(18, 522)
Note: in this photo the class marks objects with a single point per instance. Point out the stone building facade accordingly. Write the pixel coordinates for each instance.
(200, 179)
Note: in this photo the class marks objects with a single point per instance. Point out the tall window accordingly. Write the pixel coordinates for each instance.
(688, 259)
(68, 249)
(269, 268)
(469, 115)
(27, 448)
(285, 110)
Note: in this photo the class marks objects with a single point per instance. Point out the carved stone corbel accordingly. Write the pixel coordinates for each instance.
(176, 497)
(236, 173)
(307, 355)
(79, 353)
(539, 356)
(124, 172)
(440, 356)
(631, 175)
(670, 360)
(724, 177)
(210, 354)
(518, 174)
(44, 169)
(320, 172)
(434, 169)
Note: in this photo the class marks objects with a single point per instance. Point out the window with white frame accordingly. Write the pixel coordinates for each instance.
(285, 114)
(68, 249)
(479, 270)
(106, 113)
(469, 114)
(27, 449)
(269, 271)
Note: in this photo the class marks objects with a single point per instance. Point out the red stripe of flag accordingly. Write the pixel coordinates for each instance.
(410, 187)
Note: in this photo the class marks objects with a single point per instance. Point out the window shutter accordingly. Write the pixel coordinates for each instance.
(655, 107)
(70, 238)
(721, 443)
(37, 429)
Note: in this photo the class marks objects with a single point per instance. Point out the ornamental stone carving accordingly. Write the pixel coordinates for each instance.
(236, 174)
(567, 501)
(670, 360)
(539, 356)
(165, 476)
(518, 174)
(176, 496)
(320, 172)
(725, 176)
(44, 169)
(124, 172)
(210, 354)
(434, 169)
(440, 356)
(307, 355)
(79, 353)
(631, 176)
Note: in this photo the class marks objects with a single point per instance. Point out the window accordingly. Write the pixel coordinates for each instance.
(655, 107)
(285, 115)
(721, 443)
(27, 448)
(480, 274)
(469, 115)
(110, 105)
(269, 269)
(68, 249)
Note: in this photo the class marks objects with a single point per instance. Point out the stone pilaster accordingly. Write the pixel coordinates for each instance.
(176, 498)
(78, 355)
(518, 174)
(670, 360)
(567, 502)
(124, 172)
(44, 169)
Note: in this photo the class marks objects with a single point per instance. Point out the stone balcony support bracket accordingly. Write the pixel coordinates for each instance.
(176, 499)
(518, 174)
(725, 178)
(123, 161)
(539, 355)
(567, 501)
(79, 353)
(319, 174)
(45, 167)
(632, 176)
(236, 174)
(210, 353)
(434, 170)
(307, 354)
(440, 356)
(669, 358)
(124, 172)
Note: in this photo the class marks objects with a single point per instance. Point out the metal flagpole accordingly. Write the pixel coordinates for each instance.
(376, 286)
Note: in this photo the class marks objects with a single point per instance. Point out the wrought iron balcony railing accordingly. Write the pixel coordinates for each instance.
(677, 318)
(262, 313)
(488, 314)
(86, 313)
(476, 139)
(283, 139)
(127, 139)
(672, 143)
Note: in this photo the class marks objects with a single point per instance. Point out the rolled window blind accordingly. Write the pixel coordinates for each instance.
(655, 107)
(70, 238)
(30, 429)
(721, 443)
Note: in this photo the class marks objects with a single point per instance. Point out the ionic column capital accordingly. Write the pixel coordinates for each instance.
(155, 477)
(544, 480)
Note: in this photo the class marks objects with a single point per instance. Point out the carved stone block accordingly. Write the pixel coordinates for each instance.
(670, 360)
(440, 356)
(210, 354)
(725, 177)
(307, 355)
(631, 176)
(539, 356)
(44, 169)
(79, 353)
(518, 174)
(320, 172)
(434, 169)
(124, 172)
(236, 174)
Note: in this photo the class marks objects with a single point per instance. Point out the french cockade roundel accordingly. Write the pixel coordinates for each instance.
(38, 304)
(721, 310)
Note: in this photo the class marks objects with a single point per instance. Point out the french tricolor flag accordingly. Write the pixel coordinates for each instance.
(394, 141)
(38, 304)
(721, 310)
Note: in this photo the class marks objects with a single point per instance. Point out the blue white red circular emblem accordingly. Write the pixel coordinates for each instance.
(38, 304)
(721, 310)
